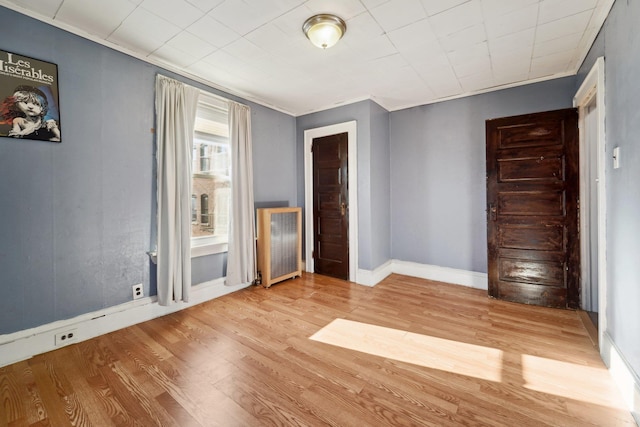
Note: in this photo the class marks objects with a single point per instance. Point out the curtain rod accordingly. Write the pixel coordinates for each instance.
(205, 92)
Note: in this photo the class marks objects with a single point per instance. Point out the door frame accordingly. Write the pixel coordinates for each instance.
(593, 87)
(309, 135)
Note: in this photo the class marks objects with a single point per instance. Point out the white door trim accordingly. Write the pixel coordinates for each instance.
(351, 129)
(593, 86)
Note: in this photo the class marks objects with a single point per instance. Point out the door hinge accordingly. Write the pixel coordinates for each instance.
(313, 254)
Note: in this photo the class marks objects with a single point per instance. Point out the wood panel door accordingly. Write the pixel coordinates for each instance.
(532, 208)
(331, 205)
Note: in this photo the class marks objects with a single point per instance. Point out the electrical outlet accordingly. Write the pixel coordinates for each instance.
(137, 291)
(66, 337)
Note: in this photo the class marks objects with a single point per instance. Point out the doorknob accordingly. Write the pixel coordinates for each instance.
(343, 209)
(493, 212)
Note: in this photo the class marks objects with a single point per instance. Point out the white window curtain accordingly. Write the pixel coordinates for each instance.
(176, 105)
(241, 258)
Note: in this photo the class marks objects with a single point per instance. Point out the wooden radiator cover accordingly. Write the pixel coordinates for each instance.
(279, 244)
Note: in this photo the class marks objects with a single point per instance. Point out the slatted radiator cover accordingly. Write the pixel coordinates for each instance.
(279, 244)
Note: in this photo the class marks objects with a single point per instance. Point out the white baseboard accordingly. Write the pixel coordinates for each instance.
(372, 278)
(24, 344)
(470, 279)
(623, 375)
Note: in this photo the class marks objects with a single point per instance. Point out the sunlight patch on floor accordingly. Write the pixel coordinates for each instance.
(578, 382)
(423, 350)
(549, 376)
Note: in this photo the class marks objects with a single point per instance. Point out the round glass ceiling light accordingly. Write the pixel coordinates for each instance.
(324, 30)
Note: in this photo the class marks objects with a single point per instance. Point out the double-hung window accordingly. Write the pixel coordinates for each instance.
(211, 177)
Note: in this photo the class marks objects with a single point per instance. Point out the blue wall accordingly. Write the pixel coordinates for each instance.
(619, 43)
(77, 217)
(373, 172)
(380, 177)
(438, 172)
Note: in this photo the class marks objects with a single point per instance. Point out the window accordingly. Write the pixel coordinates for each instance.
(205, 157)
(211, 173)
(204, 209)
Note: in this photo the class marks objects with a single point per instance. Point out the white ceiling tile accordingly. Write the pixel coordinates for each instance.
(433, 7)
(272, 39)
(370, 4)
(46, 8)
(442, 73)
(551, 10)
(457, 19)
(97, 17)
(444, 91)
(387, 64)
(469, 36)
(509, 65)
(178, 12)
(443, 82)
(473, 66)
(244, 17)
(511, 59)
(205, 5)
(291, 22)
(563, 27)
(191, 45)
(296, 52)
(144, 31)
(504, 78)
(425, 61)
(514, 42)
(398, 13)
(213, 32)
(476, 82)
(345, 9)
(561, 44)
(415, 88)
(494, 8)
(361, 29)
(206, 71)
(377, 47)
(477, 51)
(141, 45)
(555, 63)
(244, 50)
(513, 22)
(410, 36)
(224, 61)
(507, 79)
(173, 56)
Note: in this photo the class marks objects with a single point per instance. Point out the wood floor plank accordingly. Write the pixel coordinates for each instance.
(10, 396)
(407, 352)
(52, 395)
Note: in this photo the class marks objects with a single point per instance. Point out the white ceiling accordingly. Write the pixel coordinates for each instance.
(400, 53)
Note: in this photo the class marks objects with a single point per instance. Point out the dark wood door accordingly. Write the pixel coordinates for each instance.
(331, 205)
(532, 208)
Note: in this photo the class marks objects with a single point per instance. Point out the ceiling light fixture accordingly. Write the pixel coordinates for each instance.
(324, 30)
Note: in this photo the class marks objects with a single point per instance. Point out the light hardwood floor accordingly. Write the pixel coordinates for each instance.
(317, 351)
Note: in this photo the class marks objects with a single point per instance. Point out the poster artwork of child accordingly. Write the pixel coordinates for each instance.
(25, 110)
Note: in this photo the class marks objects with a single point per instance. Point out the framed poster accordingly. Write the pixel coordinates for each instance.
(29, 106)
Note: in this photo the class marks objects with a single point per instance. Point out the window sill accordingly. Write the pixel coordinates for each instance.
(209, 247)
